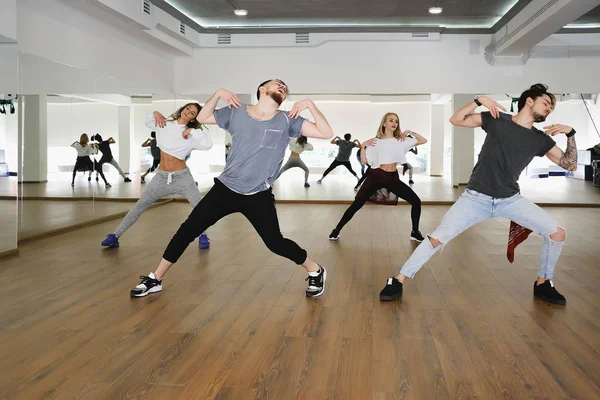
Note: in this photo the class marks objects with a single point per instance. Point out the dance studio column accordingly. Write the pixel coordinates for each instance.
(33, 139)
(436, 141)
(463, 144)
(124, 139)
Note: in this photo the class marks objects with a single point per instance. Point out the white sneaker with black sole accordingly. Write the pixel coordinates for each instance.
(149, 284)
(316, 282)
(416, 236)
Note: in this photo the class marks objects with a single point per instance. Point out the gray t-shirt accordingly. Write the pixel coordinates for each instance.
(257, 147)
(345, 150)
(507, 150)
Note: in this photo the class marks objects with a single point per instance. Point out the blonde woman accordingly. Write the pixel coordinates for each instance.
(84, 162)
(383, 153)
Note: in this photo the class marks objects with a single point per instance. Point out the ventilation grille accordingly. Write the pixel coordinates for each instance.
(419, 34)
(224, 38)
(146, 7)
(302, 38)
(181, 28)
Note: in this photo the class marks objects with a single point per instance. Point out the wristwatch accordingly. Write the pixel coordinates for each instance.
(476, 100)
(573, 131)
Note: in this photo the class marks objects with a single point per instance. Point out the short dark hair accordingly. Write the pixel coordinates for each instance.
(96, 137)
(535, 91)
(153, 135)
(264, 83)
(347, 136)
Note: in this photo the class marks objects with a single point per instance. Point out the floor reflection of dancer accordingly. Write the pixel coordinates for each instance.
(107, 156)
(155, 151)
(383, 154)
(510, 144)
(176, 136)
(260, 134)
(297, 146)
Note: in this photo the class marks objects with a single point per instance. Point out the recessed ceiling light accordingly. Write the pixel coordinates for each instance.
(435, 10)
(240, 13)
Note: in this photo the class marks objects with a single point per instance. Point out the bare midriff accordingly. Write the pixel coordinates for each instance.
(294, 155)
(389, 167)
(168, 163)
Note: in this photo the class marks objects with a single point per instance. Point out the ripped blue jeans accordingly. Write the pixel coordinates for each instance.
(473, 207)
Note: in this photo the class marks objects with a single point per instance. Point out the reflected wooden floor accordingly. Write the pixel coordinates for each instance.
(337, 187)
(232, 322)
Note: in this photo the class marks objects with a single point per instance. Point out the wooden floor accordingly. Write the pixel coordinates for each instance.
(232, 322)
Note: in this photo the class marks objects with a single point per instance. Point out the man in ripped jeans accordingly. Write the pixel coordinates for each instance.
(493, 191)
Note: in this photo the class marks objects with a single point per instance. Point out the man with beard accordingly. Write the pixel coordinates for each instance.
(493, 191)
(260, 134)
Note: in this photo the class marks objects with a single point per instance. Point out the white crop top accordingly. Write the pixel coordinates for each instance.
(84, 151)
(296, 148)
(388, 151)
(170, 141)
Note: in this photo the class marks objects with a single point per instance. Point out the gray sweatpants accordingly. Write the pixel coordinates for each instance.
(294, 162)
(162, 185)
(115, 164)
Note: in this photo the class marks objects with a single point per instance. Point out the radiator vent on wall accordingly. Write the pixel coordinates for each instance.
(181, 28)
(302, 38)
(224, 38)
(146, 7)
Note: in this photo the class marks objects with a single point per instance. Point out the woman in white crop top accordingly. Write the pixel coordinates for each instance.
(84, 162)
(297, 146)
(176, 137)
(383, 153)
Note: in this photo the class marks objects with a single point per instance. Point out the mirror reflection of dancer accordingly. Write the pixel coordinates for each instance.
(260, 134)
(297, 146)
(155, 151)
(176, 136)
(383, 154)
(343, 155)
(84, 162)
(510, 144)
(107, 157)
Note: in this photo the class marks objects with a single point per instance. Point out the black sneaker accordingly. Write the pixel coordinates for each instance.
(316, 284)
(547, 292)
(334, 235)
(149, 284)
(416, 236)
(127, 180)
(410, 181)
(392, 290)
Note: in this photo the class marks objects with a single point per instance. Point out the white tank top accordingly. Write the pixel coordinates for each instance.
(388, 151)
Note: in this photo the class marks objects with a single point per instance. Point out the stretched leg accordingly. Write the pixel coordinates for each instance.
(74, 173)
(470, 209)
(349, 167)
(410, 171)
(370, 187)
(99, 171)
(156, 190)
(301, 164)
(362, 178)
(401, 190)
(185, 186)
(289, 164)
(115, 164)
(331, 167)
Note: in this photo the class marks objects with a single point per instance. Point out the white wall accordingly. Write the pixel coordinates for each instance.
(8, 20)
(66, 50)
(443, 66)
(9, 137)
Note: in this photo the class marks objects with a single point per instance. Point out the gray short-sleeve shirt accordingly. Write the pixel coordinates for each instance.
(345, 150)
(257, 147)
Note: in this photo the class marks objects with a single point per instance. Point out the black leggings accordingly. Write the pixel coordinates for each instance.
(95, 167)
(377, 179)
(336, 164)
(220, 201)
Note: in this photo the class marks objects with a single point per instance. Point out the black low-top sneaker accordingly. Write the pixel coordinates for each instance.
(316, 282)
(149, 284)
(547, 292)
(416, 236)
(334, 235)
(392, 290)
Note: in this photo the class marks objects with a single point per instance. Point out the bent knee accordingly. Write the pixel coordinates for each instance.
(434, 242)
(560, 235)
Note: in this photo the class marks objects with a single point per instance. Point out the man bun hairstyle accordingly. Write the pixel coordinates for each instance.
(535, 91)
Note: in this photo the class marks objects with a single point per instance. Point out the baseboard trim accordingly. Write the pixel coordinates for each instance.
(9, 253)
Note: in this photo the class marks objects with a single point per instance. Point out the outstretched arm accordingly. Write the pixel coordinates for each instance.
(205, 116)
(465, 117)
(565, 159)
(319, 129)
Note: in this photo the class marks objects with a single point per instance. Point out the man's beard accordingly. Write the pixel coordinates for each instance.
(276, 96)
(538, 117)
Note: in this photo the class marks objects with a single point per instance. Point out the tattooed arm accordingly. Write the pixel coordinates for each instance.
(568, 158)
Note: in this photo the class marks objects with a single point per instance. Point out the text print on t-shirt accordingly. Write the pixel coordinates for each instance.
(271, 138)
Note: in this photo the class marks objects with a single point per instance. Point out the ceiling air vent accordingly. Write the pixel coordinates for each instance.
(146, 7)
(420, 34)
(181, 28)
(224, 38)
(302, 38)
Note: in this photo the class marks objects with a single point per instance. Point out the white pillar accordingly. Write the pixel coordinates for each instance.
(124, 127)
(436, 141)
(463, 144)
(34, 161)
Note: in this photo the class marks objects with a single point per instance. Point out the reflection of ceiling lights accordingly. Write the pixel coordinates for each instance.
(435, 10)
(240, 12)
